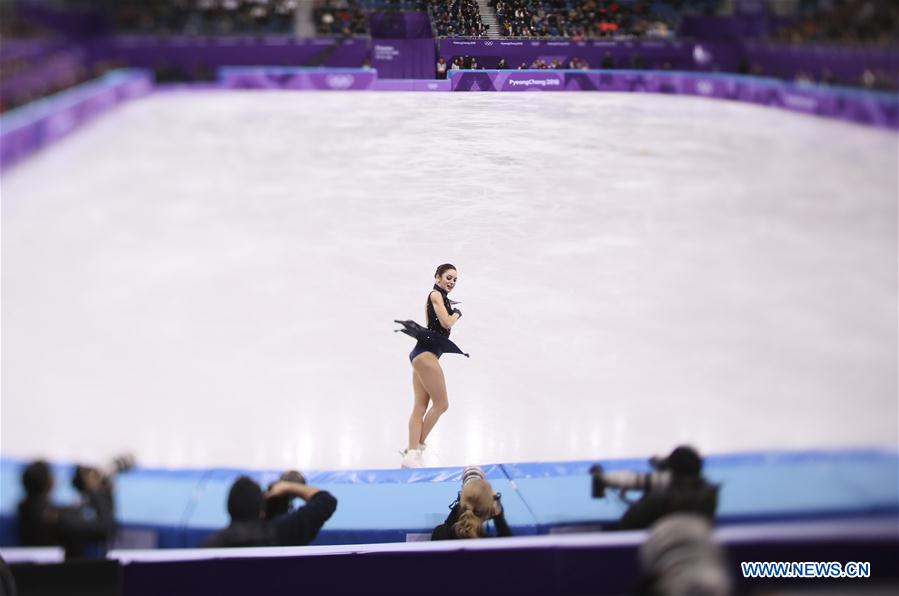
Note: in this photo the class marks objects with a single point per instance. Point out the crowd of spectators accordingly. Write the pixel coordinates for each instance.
(204, 17)
(458, 18)
(857, 22)
(340, 17)
(580, 19)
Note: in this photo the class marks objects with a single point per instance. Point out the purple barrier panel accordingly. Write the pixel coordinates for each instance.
(25, 130)
(863, 107)
(343, 80)
(530, 80)
(404, 58)
(17, 144)
(605, 563)
(251, 79)
(431, 85)
(411, 85)
(338, 79)
(394, 85)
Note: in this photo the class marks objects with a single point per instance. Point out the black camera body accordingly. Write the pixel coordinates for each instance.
(120, 464)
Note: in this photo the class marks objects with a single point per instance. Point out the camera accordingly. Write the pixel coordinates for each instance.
(627, 480)
(81, 483)
(682, 462)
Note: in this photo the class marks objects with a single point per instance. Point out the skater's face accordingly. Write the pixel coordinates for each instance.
(448, 280)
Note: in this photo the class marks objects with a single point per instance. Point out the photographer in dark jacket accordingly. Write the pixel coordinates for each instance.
(246, 506)
(688, 492)
(82, 530)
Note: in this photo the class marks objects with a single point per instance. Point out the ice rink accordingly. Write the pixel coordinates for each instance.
(210, 278)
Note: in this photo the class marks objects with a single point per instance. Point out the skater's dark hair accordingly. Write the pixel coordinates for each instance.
(245, 499)
(443, 269)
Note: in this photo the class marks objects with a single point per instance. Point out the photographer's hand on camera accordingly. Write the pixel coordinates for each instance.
(294, 489)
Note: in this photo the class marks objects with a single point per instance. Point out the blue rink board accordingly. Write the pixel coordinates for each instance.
(179, 508)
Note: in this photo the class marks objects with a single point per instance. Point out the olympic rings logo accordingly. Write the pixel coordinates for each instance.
(336, 81)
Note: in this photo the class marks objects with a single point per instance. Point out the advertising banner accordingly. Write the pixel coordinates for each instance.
(308, 79)
(864, 107)
(404, 58)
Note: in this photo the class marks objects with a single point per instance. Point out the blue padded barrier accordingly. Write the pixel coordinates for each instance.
(754, 487)
(373, 505)
(180, 508)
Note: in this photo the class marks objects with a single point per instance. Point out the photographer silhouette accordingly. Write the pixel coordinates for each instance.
(685, 491)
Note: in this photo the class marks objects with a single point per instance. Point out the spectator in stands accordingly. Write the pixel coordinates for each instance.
(476, 505)
(82, 530)
(688, 492)
(205, 17)
(578, 19)
(869, 22)
(458, 17)
(246, 503)
(441, 68)
(502, 64)
(607, 61)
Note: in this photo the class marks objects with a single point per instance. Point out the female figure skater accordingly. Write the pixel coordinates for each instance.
(428, 383)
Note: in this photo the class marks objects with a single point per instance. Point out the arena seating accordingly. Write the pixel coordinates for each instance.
(204, 17)
(594, 19)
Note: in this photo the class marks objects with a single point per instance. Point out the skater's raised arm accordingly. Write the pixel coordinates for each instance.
(446, 319)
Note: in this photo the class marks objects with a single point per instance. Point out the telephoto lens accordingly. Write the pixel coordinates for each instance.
(470, 473)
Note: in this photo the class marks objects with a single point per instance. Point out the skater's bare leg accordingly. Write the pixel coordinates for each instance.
(431, 376)
(418, 411)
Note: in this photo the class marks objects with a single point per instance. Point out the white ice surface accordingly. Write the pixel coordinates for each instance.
(210, 278)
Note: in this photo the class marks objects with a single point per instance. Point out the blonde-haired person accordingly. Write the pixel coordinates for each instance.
(476, 505)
